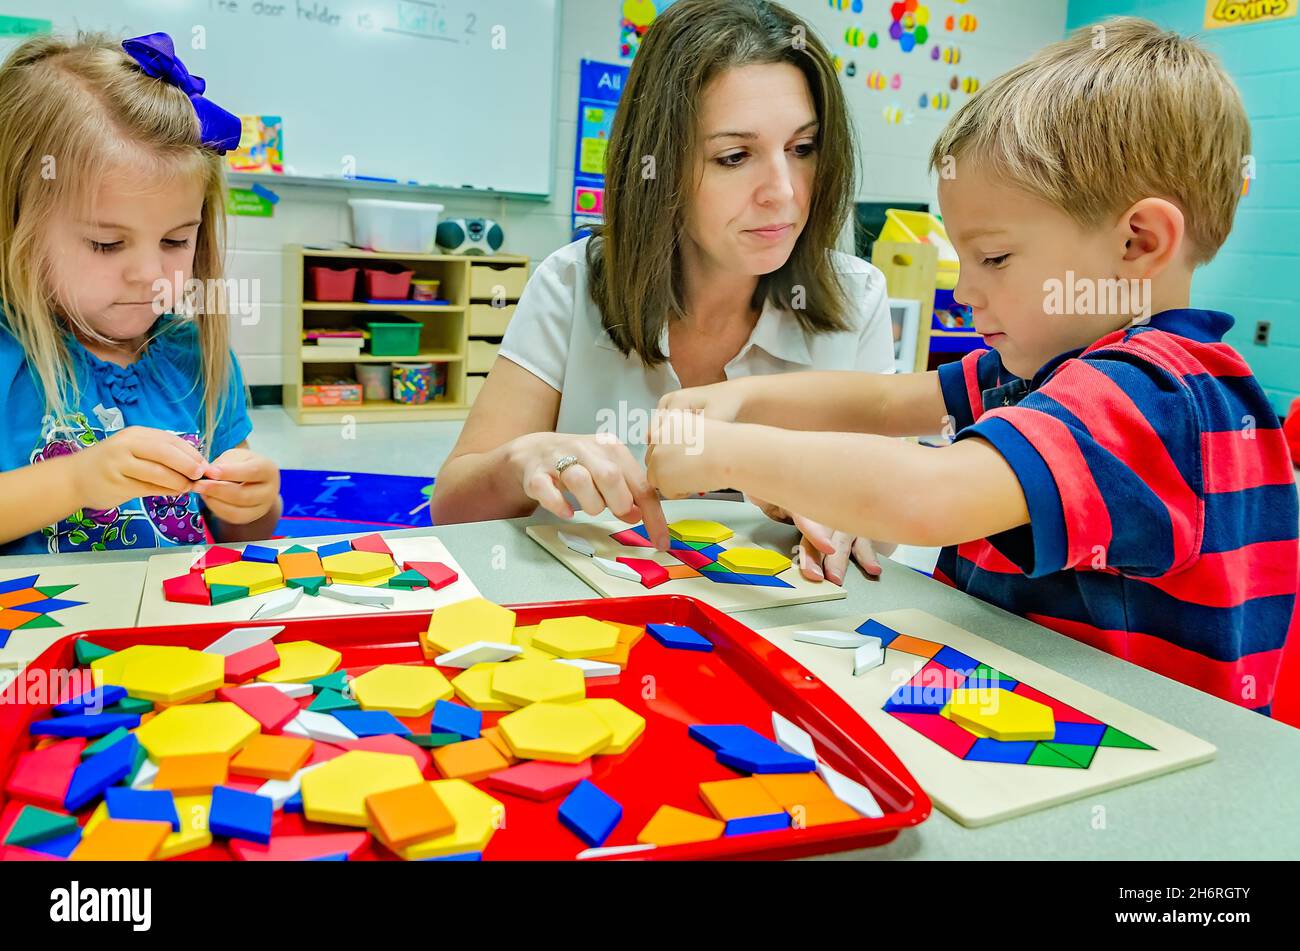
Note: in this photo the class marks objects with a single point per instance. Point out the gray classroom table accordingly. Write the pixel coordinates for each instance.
(1244, 804)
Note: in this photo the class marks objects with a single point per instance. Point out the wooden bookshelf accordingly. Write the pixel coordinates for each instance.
(445, 333)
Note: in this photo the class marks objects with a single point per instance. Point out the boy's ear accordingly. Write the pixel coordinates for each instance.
(1153, 230)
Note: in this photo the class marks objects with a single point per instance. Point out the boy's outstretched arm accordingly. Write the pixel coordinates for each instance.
(872, 486)
(891, 404)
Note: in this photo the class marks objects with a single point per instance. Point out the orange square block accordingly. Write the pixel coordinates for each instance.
(272, 757)
(794, 789)
(673, 826)
(618, 655)
(493, 736)
(820, 813)
(192, 775)
(11, 620)
(738, 799)
(122, 840)
(301, 565)
(914, 645)
(402, 816)
(470, 760)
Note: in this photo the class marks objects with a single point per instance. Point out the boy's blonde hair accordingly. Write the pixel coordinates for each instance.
(1115, 113)
(70, 113)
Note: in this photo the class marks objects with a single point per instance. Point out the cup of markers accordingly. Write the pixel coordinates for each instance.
(413, 383)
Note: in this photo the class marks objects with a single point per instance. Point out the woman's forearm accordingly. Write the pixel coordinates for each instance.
(478, 486)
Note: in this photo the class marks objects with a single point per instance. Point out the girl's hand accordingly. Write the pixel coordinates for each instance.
(136, 462)
(823, 553)
(240, 486)
(606, 476)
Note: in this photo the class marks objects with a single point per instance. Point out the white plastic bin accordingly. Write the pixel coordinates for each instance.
(395, 226)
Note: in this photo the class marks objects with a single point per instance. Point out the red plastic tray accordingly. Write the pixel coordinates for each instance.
(742, 680)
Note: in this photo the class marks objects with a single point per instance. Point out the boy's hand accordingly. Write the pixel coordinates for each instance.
(721, 401)
(240, 486)
(136, 462)
(680, 467)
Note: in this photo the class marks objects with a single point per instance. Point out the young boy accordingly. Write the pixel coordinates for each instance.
(1118, 474)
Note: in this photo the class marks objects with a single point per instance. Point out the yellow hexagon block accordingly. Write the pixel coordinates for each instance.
(336, 792)
(162, 674)
(464, 622)
(625, 725)
(194, 729)
(477, 817)
(1001, 714)
(403, 691)
(575, 636)
(561, 732)
(754, 561)
(523, 637)
(474, 688)
(258, 577)
(359, 567)
(700, 531)
(301, 661)
(535, 681)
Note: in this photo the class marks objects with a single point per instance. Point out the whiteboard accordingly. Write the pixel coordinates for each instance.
(451, 93)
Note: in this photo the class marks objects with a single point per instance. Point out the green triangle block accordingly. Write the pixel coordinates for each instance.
(1120, 740)
(698, 546)
(408, 580)
(41, 620)
(429, 740)
(336, 681)
(130, 705)
(1075, 752)
(104, 742)
(88, 652)
(985, 672)
(141, 754)
(718, 567)
(222, 593)
(328, 700)
(36, 825)
(296, 550)
(54, 590)
(310, 585)
(1049, 754)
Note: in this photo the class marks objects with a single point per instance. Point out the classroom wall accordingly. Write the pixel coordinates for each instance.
(893, 154)
(1253, 277)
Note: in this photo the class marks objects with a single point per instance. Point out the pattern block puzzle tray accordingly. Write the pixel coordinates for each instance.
(710, 742)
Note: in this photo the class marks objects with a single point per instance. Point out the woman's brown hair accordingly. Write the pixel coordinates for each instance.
(636, 277)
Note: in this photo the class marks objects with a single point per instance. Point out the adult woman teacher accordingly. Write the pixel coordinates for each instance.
(729, 175)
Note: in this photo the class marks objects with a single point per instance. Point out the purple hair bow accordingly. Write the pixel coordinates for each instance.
(157, 57)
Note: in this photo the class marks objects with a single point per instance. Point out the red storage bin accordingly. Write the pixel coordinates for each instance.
(742, 680)
(331, 283)
(388, 285)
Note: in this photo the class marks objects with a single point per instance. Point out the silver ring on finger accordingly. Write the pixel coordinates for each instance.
(565, 462)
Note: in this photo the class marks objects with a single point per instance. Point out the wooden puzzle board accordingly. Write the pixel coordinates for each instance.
(979, 793)
(725, 597)
(110, 596)
(156, 611)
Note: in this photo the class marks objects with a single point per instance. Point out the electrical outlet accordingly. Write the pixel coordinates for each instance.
(1261, 333)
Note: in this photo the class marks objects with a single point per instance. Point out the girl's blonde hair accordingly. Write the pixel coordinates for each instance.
(71, 112)
(1117, 112)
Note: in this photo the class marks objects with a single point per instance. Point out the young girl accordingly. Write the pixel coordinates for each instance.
(124, 424)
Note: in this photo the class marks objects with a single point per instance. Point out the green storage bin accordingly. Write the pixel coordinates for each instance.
(395, 337)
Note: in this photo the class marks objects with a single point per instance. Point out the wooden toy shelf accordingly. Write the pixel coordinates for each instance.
(463, 334)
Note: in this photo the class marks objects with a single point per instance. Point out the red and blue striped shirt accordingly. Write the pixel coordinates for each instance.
(1162, 502)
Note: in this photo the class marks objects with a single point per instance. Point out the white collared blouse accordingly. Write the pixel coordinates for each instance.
(556, 334)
